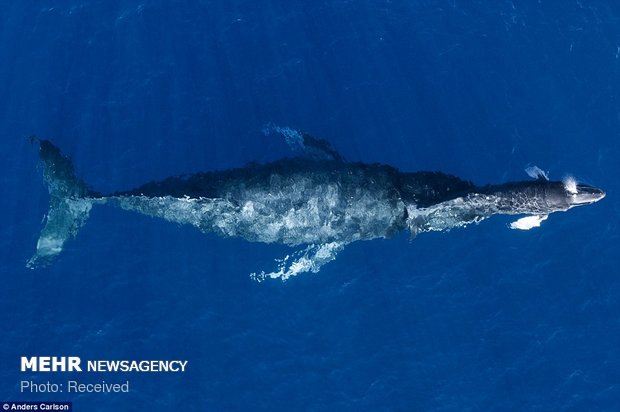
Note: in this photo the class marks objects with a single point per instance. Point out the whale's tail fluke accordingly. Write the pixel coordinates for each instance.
(70, 203)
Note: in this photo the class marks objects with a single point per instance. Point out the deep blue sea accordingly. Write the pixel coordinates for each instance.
(477, 319)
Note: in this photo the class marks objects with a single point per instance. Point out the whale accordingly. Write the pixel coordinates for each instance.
(316, 202)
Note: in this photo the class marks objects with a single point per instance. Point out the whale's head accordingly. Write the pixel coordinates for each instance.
(534, 199)
(541, 196)
(568, 193)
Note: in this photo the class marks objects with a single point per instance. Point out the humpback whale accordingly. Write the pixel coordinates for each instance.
(318, 202)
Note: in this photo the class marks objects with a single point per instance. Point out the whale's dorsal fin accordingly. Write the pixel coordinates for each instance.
(536, 172)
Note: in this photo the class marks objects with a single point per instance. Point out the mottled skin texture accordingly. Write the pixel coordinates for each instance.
(342, 201)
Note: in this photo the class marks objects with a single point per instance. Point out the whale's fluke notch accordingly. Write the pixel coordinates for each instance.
(69, 203)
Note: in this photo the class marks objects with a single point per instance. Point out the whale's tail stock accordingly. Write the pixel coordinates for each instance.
(70, 203)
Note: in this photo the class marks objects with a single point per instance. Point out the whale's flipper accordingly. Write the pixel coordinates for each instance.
(69, 203)
(320, 148)
(310, 259)
(528, 222)
(313, 147)
(536, 172)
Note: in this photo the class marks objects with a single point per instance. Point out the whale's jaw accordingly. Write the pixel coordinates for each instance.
(586, 195)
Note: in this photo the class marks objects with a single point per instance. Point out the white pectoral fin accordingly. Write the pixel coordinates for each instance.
(536, 172)
(309, 259)
(528, 222)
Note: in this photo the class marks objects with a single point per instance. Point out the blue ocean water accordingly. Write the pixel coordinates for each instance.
(483, 318)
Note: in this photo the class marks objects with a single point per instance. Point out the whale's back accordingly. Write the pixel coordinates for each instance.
(296, 201)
